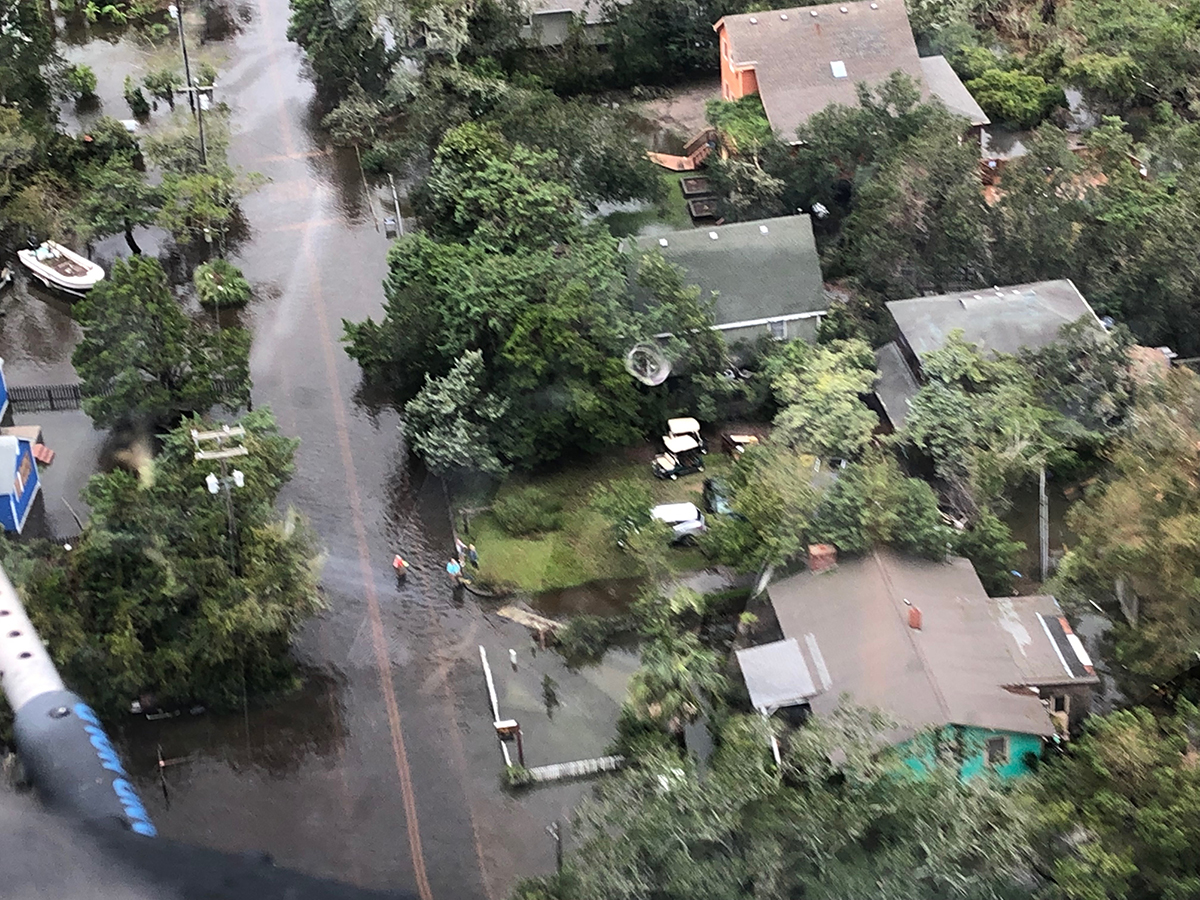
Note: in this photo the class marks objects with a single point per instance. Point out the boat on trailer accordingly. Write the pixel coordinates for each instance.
(57, 266)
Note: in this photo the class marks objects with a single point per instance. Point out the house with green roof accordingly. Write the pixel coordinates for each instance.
(765, 275)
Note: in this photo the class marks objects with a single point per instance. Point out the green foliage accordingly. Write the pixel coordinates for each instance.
(116, 199)
(678, 678)
(625, 504)
(771, 487)
(157, 596)
(138, 104)
(451, 421)
(528, 511)
(989, 544)
(206, 74)
(1136, 536)
(26, 51)
(163, 83)
(221, 284)
(873, 503)
(199, 204)
(585, 639)
(818, 389)
(743, 123)
(1015, 98)
(141, 357)
(81, 80)
(341, 47)
(1119, 814)
(663, 41)
(356, 120)
(835, 821)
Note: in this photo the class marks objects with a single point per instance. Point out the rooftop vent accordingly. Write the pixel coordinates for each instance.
(662, 242)
(874, 6)
(843, 9)
(813, 14)
(783, 16)
(753, 21)
(712, 235)
(762, 229)
(838, 68)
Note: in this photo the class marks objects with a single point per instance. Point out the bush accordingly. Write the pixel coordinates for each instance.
(221, 284)
(585, 639)
(163, 84)
(81, 81)
(531, 511)
(1015, 98)
(138, 104)
(624, 504)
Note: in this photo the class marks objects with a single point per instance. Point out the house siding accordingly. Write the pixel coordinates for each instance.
(14, 508)
(736, 82)
(966, 743)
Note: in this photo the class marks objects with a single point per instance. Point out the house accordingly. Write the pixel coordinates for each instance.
(988, 680)
(801, 60)
(16, 495)
(550, 21)
(766, 275)
(999, 319)
(3, 392)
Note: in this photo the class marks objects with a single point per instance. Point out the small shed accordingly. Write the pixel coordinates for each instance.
(776, 676)
(16, 496)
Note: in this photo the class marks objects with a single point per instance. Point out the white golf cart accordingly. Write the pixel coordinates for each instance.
(682, 457)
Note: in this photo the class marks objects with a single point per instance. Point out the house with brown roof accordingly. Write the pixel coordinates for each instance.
(801, 60)
(985, 681)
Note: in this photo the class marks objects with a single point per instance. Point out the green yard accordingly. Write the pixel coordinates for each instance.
(671, 211)
(583, 548)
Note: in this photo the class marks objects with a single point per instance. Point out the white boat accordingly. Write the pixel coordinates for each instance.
(56, 266)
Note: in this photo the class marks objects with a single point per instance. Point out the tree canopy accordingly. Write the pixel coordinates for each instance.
(142, 357)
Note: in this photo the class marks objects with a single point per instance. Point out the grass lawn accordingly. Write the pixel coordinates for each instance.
(671, 212)
(583, 549)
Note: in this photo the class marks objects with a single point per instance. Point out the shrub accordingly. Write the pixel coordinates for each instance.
(138, 104)
(221, 284)
(81, 81)
(530, 511)
(1015, 98)
(625, 504)
(163, 83)
(585, 639)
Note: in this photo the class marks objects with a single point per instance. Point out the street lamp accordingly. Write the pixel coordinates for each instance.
(193, 92)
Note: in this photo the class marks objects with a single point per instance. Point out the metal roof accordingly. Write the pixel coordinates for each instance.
(1040, 641)
(776, 675)
(756, 269)
(806, 58)
(944, 82)
(896, 385)
(1002, 319)
(852, 624)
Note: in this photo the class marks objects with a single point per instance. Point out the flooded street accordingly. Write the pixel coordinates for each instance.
(384, 770)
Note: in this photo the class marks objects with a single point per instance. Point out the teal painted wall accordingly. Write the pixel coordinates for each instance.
(966, 743)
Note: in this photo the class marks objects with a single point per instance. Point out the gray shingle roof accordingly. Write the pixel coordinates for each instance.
(793, 53)
(1004, 319)
(1039, 642)
(851, 624)
(757, 269)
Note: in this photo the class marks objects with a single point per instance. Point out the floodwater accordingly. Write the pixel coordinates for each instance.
(1022, 519)
(384, 770)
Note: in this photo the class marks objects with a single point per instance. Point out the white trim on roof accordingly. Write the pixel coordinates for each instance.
(751, 323)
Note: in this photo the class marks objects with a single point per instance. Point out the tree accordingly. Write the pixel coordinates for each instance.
(873, 503)
(160, 597)
(138, 104)
(1119, 813)
(1137, 552)
(818, 388)
(221, 284)
(449, 423)
(201, 203)
(1018, 99)
(17, 146)
(918, 223)
(26, 47)
(835, 820)
(675, 681)
(163, 83)
(81, 80)
(141, 357)
(772, 491)
(117, 198)
(340, 46)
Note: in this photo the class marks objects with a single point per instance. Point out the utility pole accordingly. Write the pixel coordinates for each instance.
(1044, 525)
(193, 92)
(224, 447)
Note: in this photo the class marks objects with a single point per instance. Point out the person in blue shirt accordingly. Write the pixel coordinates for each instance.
(453, 570)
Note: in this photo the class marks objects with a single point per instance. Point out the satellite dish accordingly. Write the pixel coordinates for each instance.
(646, 363)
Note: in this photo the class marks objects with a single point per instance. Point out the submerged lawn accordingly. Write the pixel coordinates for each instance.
(583, 549)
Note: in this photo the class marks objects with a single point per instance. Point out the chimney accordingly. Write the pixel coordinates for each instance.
(821, 557)
(914, 618)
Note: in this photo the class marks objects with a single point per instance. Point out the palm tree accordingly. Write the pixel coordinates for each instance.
(676, 676)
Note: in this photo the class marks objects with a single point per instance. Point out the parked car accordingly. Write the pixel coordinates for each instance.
(682, 457)
(686, 427)
(715, 497)
(685, 519)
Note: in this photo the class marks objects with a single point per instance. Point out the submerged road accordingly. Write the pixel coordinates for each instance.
(383, 771)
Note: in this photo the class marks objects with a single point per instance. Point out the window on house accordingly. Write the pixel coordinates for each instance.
(1058, 703)
(996, 751)
(838, 67)
(778, 330)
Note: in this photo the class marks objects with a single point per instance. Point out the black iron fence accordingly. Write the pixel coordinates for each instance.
(41, 397)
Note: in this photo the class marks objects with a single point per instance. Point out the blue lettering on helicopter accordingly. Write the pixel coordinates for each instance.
(139, 819)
